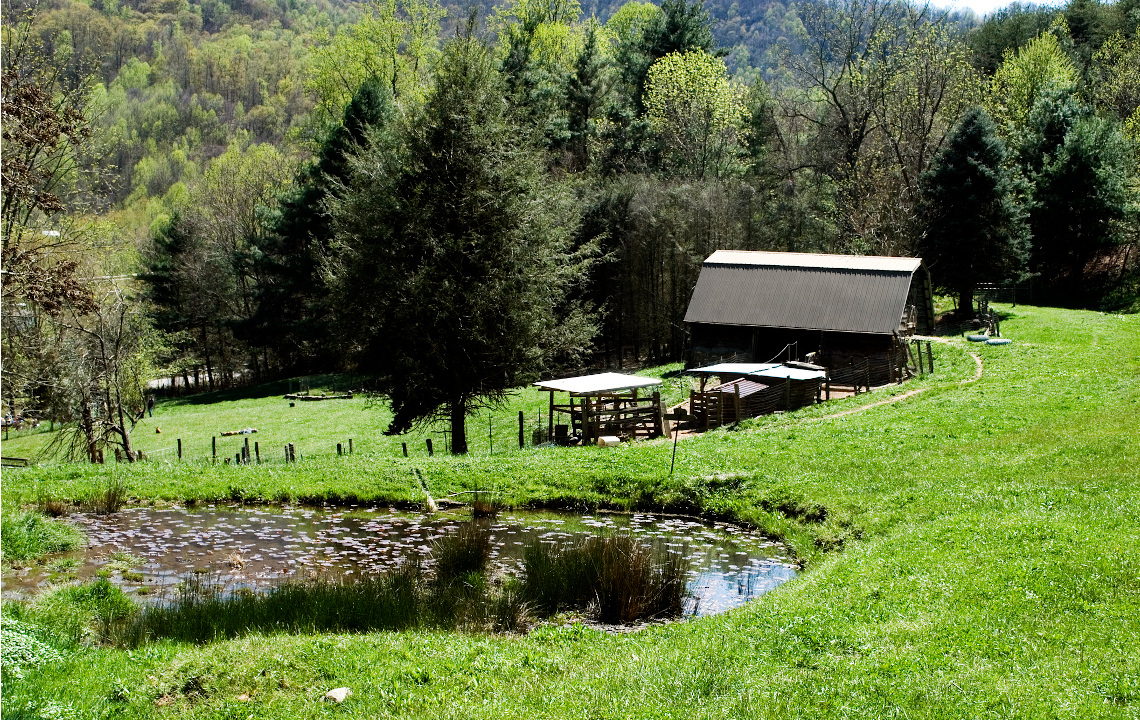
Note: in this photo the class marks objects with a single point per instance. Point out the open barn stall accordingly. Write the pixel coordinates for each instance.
(604, 405)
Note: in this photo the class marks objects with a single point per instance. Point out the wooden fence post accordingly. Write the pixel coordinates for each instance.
(179, 448)
(214, 447)
(338, 449)
(929, 355)
(522, 424)
(430, 452)
(350, 446)
(257, 452)
(405, 449)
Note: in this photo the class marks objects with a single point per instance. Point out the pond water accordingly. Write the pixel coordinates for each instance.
(149, 551)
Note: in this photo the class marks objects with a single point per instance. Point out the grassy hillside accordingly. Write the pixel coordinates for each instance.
(979, 559)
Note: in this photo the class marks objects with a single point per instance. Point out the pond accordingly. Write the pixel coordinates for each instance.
(150, 551)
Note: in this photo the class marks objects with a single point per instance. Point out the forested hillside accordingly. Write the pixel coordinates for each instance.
(217, 192)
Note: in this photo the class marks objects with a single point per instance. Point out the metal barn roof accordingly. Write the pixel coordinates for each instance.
(843, 293)
(771, 371)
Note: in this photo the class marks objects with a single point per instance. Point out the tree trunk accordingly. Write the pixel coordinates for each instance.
(87, 423)
(458, 410)
(966, 302)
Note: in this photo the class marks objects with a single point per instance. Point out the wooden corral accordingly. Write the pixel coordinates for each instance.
(605, 404)
(752, 390)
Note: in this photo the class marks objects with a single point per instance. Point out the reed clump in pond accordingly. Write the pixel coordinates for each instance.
(203, 612)
(615, 578)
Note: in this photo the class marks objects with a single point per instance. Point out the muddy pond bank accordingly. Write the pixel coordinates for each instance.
(150, 552)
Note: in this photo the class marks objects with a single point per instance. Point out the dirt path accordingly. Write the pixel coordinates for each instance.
(977, 376)
(896, 398)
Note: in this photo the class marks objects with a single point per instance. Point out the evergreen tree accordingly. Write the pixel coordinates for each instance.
(585, 95)
(293, 315)
(455, 260)
(1081, 202)
(975, 228)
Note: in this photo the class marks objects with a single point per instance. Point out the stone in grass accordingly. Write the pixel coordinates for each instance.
(339, 694)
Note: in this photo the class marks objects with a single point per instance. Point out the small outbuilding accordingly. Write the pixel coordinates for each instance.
(847, 313)
(608, 405)
(745, 390)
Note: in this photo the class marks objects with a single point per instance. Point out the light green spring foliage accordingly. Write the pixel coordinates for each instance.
(627, 24)
(397, 40)
(555, 35)
(1025, 74)
(1116, 71)
(697, 110)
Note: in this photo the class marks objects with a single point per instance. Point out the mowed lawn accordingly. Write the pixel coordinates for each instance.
(980, 558)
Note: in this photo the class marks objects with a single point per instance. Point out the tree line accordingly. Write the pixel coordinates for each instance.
(455, 207)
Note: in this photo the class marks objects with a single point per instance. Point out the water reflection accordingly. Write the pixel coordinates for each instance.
(245, 548)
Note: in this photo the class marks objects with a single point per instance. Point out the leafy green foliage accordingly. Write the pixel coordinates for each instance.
(699, 113)
(1080, 168)
(1026, 74)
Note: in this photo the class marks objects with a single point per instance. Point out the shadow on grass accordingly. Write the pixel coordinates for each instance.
(278, 388)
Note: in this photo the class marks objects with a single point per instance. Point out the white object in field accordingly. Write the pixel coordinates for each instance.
(609, 441)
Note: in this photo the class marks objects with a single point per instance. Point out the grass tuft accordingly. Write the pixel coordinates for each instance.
(26, 535)
(616, 578)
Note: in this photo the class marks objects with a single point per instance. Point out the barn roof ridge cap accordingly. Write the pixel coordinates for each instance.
(816, 261)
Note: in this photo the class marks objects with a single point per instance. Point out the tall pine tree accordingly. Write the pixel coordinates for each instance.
(975, 226)
(455, 258)
(294, 317)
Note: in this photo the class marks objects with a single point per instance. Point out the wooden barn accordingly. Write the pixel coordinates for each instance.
(848, 313)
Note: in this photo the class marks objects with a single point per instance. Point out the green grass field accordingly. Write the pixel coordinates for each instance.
(980, 558)
(314, 428)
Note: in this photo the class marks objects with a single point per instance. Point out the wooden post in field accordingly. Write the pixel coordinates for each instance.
(257, 452)
(245, 452)
(237, 458)
(350, 446)
(214, 448)
(405, 449)
(179, 448)
(286, 452)
(430, 452)
(339, 449)
(929, 356)
(522, 425)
